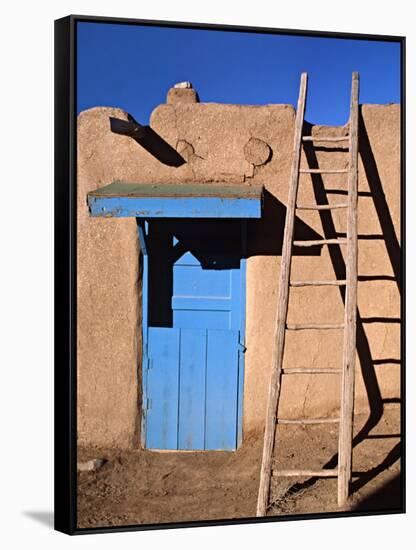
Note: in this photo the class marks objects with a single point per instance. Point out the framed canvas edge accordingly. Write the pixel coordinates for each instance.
(65, 277)
(65, 376)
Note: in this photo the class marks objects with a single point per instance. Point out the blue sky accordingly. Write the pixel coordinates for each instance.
(133, 67)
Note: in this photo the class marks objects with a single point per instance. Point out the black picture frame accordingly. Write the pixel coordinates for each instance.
(66, 275)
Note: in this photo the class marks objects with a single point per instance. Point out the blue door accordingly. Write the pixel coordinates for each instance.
(194, 338)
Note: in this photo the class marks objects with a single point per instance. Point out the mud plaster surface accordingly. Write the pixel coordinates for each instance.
(217, 143)
(139, 487)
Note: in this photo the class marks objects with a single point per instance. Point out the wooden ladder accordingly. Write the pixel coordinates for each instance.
(343, 471)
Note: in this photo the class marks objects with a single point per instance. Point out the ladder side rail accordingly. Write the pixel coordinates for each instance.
(279, 334)
(350, 320)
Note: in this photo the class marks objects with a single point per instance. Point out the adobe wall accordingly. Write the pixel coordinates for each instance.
(239, 144)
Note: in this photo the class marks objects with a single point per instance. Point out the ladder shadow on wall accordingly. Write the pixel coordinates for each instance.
(265, 235)
(367, 361)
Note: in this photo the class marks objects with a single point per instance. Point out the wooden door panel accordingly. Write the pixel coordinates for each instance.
(193, 389)
(192, 378)
(162, 388)
(201, 319)
(221, 390)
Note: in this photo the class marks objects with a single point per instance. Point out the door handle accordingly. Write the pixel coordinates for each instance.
(241, 347)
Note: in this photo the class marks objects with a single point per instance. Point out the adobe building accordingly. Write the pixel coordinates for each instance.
(134, 274)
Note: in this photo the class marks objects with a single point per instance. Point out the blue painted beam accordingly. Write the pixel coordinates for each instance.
(180, 207)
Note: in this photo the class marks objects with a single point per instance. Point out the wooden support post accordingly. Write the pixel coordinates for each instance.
(348, 369)
(279, 335)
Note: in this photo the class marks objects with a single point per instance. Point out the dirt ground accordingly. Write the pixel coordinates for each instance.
(143, 487)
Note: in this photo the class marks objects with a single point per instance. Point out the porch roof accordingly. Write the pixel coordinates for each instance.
(173, 200)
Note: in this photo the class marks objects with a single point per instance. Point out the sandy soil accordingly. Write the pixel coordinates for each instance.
(142, 487)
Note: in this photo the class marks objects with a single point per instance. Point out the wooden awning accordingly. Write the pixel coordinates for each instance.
(189, 200)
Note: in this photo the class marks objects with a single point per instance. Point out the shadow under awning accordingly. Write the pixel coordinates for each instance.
(165, 200)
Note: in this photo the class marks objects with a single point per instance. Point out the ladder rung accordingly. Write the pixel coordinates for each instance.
(313, 326)
(319, 283)
(307, 420)
(322, 171)
(321, 241)
(311, 371)
(325, 138)
(308, 473)
(321, 206)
